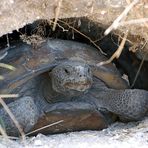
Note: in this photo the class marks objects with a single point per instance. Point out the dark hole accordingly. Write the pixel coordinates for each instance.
(127, 63)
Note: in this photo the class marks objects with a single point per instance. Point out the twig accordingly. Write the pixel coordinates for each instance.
(135, 21)
(117, 21)
(1, 77)
(2, 55)
(57, 12)
(11, 137)
(133, 83)
(9, 95)
(63, 29)
(3, 132)
(13, 118)
(55, 123)
(117, 53)
(8, 43)
(10, 67)
(7, 66)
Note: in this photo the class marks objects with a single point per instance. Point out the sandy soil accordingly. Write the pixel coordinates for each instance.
(14, 14)
(131, 135)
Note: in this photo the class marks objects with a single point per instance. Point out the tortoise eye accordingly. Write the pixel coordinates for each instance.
(66, 71)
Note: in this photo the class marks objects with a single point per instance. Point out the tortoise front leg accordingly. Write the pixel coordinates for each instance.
(25, 112)
(129, 104)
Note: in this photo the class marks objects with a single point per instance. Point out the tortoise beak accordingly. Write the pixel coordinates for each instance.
(79, 86)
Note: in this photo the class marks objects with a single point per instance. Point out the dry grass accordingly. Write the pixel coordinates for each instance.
(57, 12)
(3, 132)
(7, 66)
(44, 127)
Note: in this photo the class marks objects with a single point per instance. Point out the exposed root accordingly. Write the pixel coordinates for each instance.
(33, 40)
(8, 42)
(136, 76)
(83, 36)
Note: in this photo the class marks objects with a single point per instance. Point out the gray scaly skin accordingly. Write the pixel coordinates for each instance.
(128, 104)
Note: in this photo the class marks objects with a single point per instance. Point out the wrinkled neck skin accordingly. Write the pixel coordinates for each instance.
(98, 94)
(53, 96)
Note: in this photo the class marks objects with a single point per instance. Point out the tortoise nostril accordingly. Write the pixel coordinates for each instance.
(82, 75)
(88, 70)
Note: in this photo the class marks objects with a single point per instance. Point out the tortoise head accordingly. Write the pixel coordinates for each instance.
(71, 77)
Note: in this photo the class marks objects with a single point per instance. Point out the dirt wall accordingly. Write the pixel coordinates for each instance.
(14, 14)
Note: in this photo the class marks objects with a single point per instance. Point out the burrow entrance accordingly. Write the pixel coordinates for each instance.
(85, 31)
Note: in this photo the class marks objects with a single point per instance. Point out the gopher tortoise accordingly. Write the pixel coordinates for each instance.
(59, 80)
